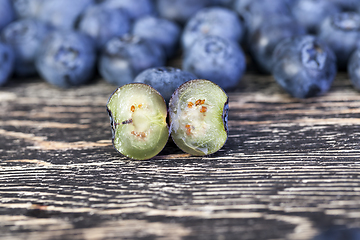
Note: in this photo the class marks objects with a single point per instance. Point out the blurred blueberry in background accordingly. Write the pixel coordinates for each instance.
(217, 59)
(25, 37)
(27, 8)
(338, 233)
(217, 21)
(7, 14)
(162, 31)
(102, 23)
(134, 8)
(304, 66)
(125, 57)
(164, 79)
(354, 69)
(67, 58)
(7, 60)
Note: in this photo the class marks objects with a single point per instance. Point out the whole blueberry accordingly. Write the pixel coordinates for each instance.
(160, 30)
(354, 68)
(217, 59)
(67, 58)
(346, 5)
(25, 37)
(217, 21)
(27, 8)
(62, 14)
(103, 23)
(164, 79)
(125, 57)
(263, 40)
(180, 10)
(7, 14)
(304, 66)
(315, 11)
(341, 32)
(134, 8)
(7, 61)
(255, 13)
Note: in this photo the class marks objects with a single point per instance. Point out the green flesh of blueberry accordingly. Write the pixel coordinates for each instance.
(198, 117)
(138, 120)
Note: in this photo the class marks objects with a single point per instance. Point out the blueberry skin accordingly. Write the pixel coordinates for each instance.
(134, 8)
(7, 14)
(103, 23)
(217, 59)
(162, 31)
(164, 79)
(27, 8)
(217, 21)
(304, 66)
(180, 10)
(67, 58)
(264, 39)
(62, 14)
(315, 11)
(7, 62)
(341, 32)
(354, 69)
(25, 37)
(339, 233)
(125, 57)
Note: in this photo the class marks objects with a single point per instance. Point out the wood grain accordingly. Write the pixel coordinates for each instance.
(289, 170)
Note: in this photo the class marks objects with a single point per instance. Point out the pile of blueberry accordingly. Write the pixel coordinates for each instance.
(301, 42)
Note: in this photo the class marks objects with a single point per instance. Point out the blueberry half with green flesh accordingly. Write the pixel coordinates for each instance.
(198, 112)
(138, 121)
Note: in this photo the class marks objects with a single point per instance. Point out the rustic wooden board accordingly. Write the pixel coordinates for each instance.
(289, 169)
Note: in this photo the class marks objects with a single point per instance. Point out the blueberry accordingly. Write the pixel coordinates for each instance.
(264, 39)
(258, 12)
(164, 79)
(138, 121)
(180, 10)
(7, 61)
(27, 8)
(7, 14)
(315, 11)
(134, 8)
(162, 31)
(67, 58)
(103, 23)
(342, 33)
(304, 66)
(346, 5)
(25, 37)
(124, 57)
(217, 21)
(354, 69)
(62, 14)
(339, 233)
(198, 112)
(217, 59)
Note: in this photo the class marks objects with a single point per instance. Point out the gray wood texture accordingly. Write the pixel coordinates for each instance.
(289, 170)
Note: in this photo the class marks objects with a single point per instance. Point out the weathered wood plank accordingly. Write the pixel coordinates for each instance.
(289, 169)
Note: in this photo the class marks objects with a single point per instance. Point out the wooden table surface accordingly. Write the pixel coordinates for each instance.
(289, 170)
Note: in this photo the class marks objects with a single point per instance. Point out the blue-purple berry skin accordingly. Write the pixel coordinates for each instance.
(103, 23)
(218, 21)
(310, 13)
(67, 58)
(160, 30)
(25, 37)
(62, 14)
(264, 39)
(125, 57)
(7, 14)
(7, 61)
(217, 59)
(27, 8)
(354, 69)
(180, 10)
(134, 8)
(164, 79)
(342, 33)
(304, 66)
